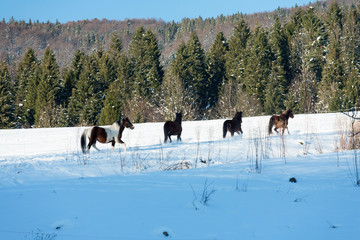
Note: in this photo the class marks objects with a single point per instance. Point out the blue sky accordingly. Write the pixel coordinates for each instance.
(168, 10)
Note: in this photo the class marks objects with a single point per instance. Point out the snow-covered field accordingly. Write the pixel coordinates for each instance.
(234, 188)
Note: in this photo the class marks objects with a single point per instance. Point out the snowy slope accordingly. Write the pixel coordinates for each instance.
(50, 190)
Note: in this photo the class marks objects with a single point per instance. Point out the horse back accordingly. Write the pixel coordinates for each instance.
(99, 134)
(172, 128)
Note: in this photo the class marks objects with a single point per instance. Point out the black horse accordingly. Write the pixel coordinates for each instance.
(233, 125)
(173, 128)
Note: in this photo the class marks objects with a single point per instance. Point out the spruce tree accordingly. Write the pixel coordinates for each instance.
(331, 96)
(86, 100)
(236, 56)
(258, 68)
(277, 88)
(147, 77)
(196, 64)
(7, 99)
(144, 54)
(27, 79)
(48, 91)
(111, 111)
(352, 57)
(307, 49)
(216, 67)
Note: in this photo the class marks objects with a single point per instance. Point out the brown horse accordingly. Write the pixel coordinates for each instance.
(233, 125)
(110, 134)
(280, 121)
(173, 128)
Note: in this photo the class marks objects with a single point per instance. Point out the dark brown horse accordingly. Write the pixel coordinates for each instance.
(173, 128)
(233, 125)
(110, 134)
(281, 121)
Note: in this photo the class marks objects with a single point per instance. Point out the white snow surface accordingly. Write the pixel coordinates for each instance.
(50, 190)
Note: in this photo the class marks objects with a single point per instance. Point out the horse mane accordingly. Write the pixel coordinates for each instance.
(238, 116)
(287, 112)
(178, 117)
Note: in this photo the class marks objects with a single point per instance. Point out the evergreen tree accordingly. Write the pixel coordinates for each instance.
(307, 44)
(112, 106)
(331, 87)
(147, 74)
(120, 89)
(279, 78)
(352, 58)
(236, 56)
(48, 91)
(27, 79)
(259, 65)
(216, 67)
(144, 54)
(86, 100)
(198, 82)
(7, 117)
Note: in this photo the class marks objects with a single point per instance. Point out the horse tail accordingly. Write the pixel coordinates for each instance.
(83, 140)
(166, 131)
(271, 123)
(225, 129)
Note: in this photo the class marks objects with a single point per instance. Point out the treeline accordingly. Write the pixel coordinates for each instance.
(309, 63)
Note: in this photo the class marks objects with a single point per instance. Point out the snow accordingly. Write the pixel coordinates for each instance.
(50, 190)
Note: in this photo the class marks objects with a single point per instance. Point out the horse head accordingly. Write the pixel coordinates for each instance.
(238, 115)
(126, 123)
(290, 113)
(178, 117)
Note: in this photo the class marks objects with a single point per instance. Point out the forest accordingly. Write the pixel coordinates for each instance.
(304, 58)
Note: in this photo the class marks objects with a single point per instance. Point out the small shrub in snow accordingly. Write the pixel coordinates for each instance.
(206, 195)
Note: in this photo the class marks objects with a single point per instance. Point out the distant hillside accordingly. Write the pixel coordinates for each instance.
(17, 36)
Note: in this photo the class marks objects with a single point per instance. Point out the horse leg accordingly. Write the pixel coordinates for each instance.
(94, 146)
(112, 145)
(169, 138)
(232, 133)
(178, 138)
(123, 143)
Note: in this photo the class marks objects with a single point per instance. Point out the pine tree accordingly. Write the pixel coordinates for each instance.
(352, 58)
(144, 54)
(236, 57)
(119, 90)
(27, 79)
(258, 67)
(198, 84)
(86, 100)
(278, 85)
(147, 74)
(216, 68)
(331, 87)
(48, 91)
(7, 117)
(112, 106)
(307, 44)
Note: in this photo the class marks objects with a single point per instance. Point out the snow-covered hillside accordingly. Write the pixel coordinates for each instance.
(232, 188)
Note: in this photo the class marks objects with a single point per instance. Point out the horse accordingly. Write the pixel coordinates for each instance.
(233, 125)
(281, 121)
(173, 128)
(110, 134)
